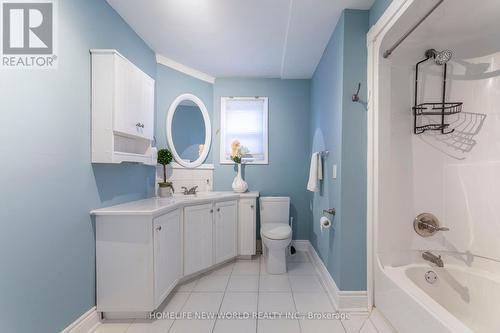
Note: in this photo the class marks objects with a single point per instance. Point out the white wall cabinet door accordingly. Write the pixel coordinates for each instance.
(247, 227)
(198, 238)
(121, 121)
(167, 254)
(147, 115)
(226, 224)
(134, 100)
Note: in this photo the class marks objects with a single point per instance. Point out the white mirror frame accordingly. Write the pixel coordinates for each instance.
(208, 130)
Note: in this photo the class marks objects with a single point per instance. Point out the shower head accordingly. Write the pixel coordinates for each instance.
(440, 58)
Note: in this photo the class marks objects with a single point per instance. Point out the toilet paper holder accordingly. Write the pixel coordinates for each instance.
(330, 211)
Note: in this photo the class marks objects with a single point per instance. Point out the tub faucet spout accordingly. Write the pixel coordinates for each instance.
(433, 258)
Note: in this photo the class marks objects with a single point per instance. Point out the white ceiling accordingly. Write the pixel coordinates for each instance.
(238, 38)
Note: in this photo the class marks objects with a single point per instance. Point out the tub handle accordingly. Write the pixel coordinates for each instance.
(432, 227)
(426, 225)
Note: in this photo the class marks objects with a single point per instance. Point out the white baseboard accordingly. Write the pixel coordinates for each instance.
(301, 245)
(353, 301)
(85, 324)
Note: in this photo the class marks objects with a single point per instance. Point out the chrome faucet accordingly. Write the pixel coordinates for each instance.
(433, 258)
(192, 190)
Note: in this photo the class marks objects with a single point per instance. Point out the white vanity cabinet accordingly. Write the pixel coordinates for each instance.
(198, 238)
(247, 228)
(145, 248)
(225, 229)
(122, 110)
(138, 260)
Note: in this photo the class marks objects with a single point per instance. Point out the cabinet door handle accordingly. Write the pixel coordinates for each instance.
(158, 228)
(252, 206)
(211, 210)
(139, 125)
(218, 209)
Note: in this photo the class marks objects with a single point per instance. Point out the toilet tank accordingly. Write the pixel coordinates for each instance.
(274, 210)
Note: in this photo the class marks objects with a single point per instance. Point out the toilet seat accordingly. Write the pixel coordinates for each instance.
(277, 231)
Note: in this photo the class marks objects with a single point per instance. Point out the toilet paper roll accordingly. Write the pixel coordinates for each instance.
(325, 223)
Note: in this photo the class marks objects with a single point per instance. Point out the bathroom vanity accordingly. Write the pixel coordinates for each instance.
(145, 248)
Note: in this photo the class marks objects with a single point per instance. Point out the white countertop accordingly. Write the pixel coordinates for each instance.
(157, 206)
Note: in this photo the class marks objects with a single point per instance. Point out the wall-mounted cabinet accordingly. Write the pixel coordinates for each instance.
(122, 110)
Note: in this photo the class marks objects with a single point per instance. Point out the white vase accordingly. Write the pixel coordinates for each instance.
(239, 185)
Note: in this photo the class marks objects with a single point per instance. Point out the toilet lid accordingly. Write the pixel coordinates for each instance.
(276, 230)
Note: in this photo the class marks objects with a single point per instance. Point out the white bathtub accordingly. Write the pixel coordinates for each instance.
(461, 300)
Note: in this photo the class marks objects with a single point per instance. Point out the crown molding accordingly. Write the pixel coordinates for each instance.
(184, 69)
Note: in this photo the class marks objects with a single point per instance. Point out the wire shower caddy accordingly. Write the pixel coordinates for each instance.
(442, 108)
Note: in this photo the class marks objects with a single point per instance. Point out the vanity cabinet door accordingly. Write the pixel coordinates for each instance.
(226, 224)
(167, 254)
(198, 238)
(247, 227)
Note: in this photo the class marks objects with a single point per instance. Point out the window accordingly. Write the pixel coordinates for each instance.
(244, 119)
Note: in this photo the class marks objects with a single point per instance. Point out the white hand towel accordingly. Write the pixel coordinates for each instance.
(315, 173)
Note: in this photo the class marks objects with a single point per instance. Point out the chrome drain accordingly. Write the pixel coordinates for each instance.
(431, 277)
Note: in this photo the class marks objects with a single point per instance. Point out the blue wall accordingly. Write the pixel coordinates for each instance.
(378, 9)
(288, 168)
(188, 131)
(170, 84)
(339, 125)
(47, 240)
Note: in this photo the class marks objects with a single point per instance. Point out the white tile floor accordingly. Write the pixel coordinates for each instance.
(244, 286)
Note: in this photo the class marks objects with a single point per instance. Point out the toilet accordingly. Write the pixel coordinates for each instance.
(275, 232)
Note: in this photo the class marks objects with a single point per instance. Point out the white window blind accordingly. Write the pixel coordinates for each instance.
(245, 119)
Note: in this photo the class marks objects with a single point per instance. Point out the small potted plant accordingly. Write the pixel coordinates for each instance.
(165, 188)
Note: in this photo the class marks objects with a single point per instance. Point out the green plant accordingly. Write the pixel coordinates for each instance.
(164, 158)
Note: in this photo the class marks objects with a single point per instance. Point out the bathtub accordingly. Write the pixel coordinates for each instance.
(454, 299)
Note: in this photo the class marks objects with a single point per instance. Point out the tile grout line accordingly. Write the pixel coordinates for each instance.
(258, 293)
(293, 298)
(183, 304)
(343, 326)
(363, 325)
(130, 324)
(373, 324)
(223, 296)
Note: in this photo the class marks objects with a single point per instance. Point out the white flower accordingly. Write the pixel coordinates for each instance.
(244, 150)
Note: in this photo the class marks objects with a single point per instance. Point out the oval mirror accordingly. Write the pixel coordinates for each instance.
(189, 131)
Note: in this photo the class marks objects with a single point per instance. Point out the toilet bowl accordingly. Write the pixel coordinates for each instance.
(275, 232)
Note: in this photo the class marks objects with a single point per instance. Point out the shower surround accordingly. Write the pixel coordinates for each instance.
(454, 176)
